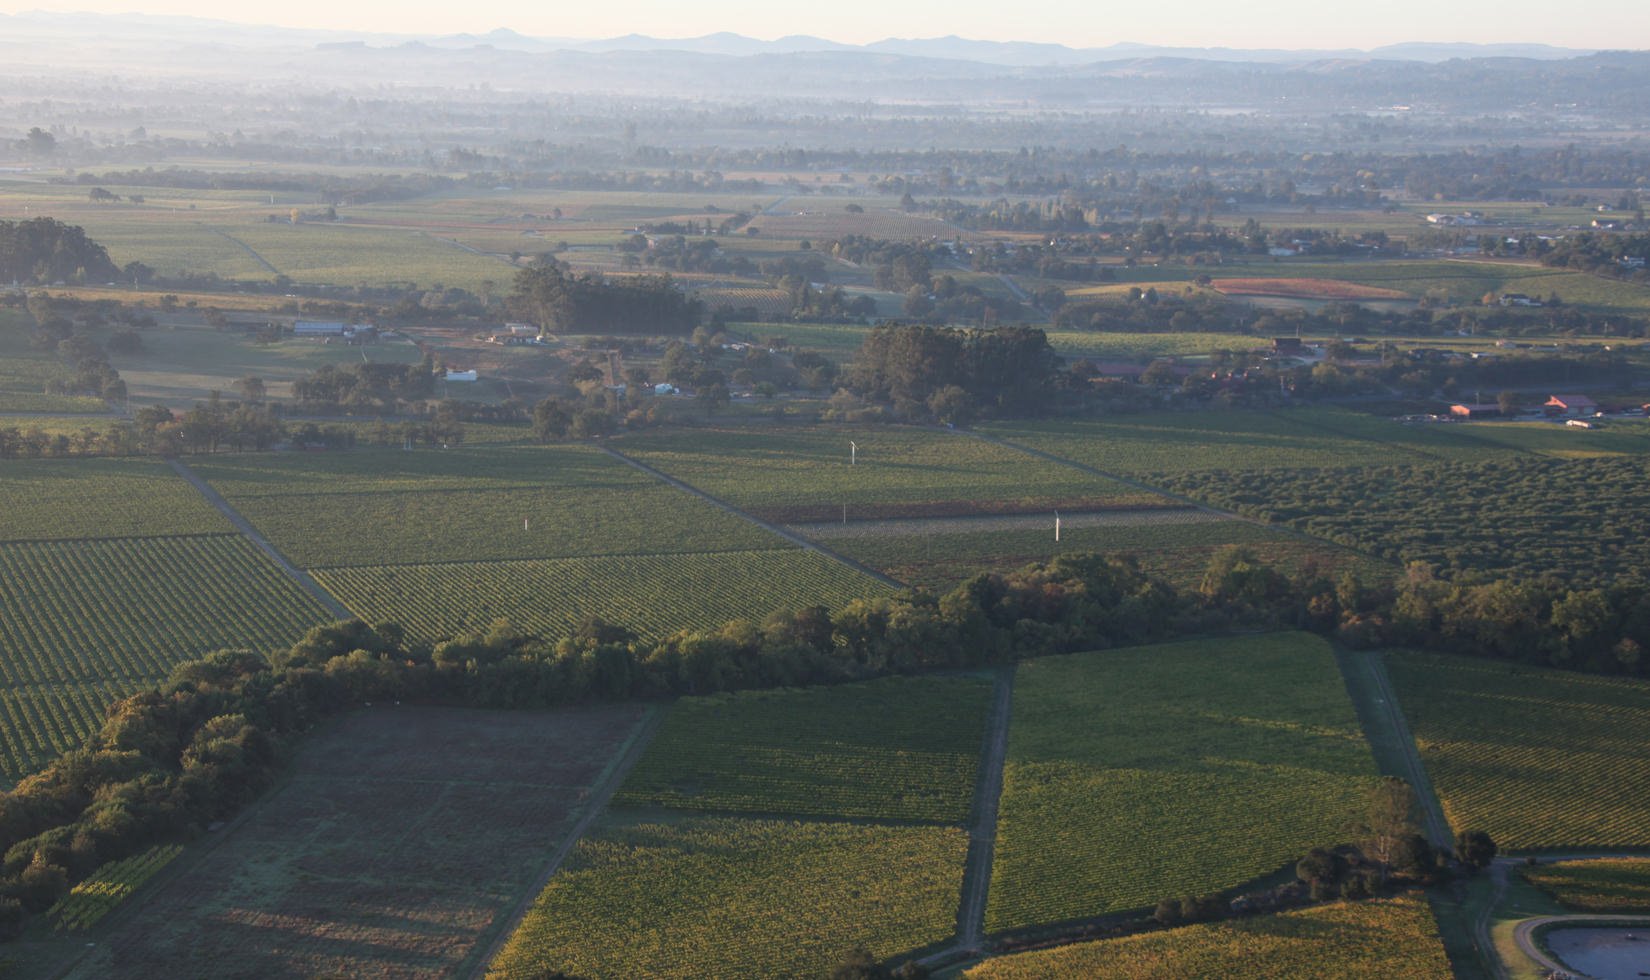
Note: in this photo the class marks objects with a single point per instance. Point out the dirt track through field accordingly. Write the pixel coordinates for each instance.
(982, 832)
(1377, 706)
(249, 250)
(790, 536)
(594, 807)
(249, 532)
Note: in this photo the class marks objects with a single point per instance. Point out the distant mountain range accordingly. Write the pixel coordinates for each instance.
(1002, 53)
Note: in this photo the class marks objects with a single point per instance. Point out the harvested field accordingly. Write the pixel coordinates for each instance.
(403, 836)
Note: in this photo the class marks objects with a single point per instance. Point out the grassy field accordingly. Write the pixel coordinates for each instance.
(894, 749)
(653, 594)
(806, 474)
(1173, 545)
(1135, 775)
(85, 622)
(1539, 758)
(66, 499)
(1609, 886)
(25, 371)
(389, 507)
(179, 365)
(720, 897)
(1393, 937)
(390, 851)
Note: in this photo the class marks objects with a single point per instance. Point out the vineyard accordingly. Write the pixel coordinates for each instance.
(1155, 772)
(719, 897)
(389, 852)
(810, 474)
(85, 622)
(653, 594)
(471, 505)
(1395, 937)
(1239, 442)
(63, 499)
(894, 749)
(97, 896)
(1585, 519)
(1173, 545)
(1607, 887)
(1539, 758)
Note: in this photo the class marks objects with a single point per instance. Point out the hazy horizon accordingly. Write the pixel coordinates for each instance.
(1290, 25)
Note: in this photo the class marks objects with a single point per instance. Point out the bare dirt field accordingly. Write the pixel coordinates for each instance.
(402, 837)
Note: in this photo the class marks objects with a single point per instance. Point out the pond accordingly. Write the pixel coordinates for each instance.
(1605, 954)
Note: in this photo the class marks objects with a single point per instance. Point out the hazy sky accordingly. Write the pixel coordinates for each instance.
(1079, 23)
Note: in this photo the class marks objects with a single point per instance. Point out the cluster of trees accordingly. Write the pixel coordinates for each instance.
(561, 301)
(1626, 256)
(47, 250)
(366, 388)
(895, 266)
(939, 372)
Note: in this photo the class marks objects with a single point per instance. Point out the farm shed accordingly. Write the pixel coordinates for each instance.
(318, 328)
(1475, 410)
(469, 375)
(1570, 405)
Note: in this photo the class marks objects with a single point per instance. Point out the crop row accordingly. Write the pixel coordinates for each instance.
(1395, 937)
(900, 749)
(38, 723)
(59, 499)
(722, 897)
(560, 468)
(1605, 886)
(809, 474)
(652, 594)
(97, 896)
(1141, 774)
(1525, 516)
(1539, 758)
(111, 616)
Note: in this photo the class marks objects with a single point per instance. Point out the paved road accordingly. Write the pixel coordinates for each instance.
(292, 571)
(1524, 934)
(788, 535)
(593, 808)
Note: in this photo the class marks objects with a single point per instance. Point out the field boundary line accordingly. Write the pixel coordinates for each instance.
(607, 784)
(788, 535)
(249, 250)
(982, 833)
(548, 558)
(296, 574)
(1370, 688)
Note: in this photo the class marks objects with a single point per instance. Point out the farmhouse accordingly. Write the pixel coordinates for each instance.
(522, 329)
(1518, 299)
(1475, 410)
(1570, 405)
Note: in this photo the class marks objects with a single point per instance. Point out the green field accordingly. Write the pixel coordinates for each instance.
(1395, 937)
(1244, 441)
(719, 897)
(90, 900)
(1608, 886)
(894, 749)
(85, 622)
(807, 474)
(1528, 516)
(1616, 438)
(1173, 545)
(1539, 758)
(388, 507)
(653, 594)
(1154, 772)
(67, 499)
